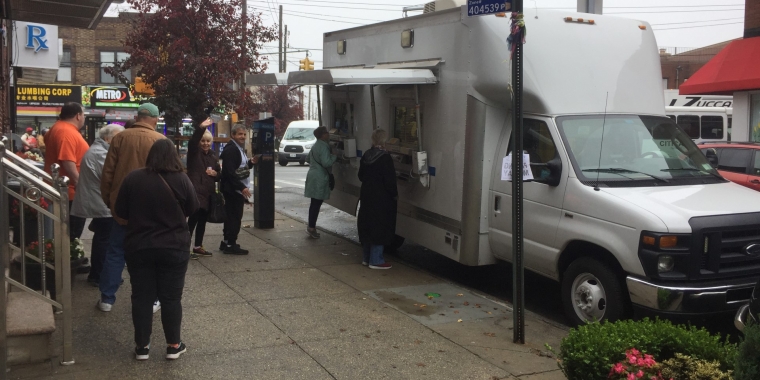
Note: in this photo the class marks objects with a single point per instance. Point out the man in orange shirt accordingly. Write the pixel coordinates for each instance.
(65, 146)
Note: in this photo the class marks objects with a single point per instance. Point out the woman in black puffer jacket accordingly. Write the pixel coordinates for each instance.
(203, 170)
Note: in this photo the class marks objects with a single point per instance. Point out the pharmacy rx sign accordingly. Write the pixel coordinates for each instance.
(38, 45)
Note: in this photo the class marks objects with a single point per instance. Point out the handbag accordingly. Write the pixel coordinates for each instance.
(242, 173)
(176, 201)
(330, 176)
(216, 212)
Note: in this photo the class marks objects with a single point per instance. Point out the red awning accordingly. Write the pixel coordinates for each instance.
(735, 68)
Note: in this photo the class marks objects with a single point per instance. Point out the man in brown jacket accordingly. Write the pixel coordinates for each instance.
(128, 151)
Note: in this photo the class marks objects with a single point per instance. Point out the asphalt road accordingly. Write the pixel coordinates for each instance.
(542, 296)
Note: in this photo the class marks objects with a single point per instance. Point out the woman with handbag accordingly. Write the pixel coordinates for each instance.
(236, 170)
(203, 170)
(319, 179)
(155, 200)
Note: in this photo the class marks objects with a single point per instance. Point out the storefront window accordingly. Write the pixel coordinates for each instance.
(405, 125)
(754, 117)
(341, 118)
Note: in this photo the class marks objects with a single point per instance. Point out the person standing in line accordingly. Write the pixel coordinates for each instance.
(128, 151)
(89, 204)
(66, 147)
(155, 200)
(317, 188)
(203, 170)
(376, 222)
(236, 188)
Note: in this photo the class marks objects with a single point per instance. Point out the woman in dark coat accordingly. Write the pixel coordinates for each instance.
(203, 170)
(155, 200)
(377, 212)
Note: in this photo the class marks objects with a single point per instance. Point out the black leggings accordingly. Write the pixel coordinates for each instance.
(199, 219)
(314, 212)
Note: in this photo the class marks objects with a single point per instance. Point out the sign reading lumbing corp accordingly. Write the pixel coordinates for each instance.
(47, 95)
(37, 45)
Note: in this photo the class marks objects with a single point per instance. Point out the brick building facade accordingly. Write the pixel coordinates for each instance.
(678, 67)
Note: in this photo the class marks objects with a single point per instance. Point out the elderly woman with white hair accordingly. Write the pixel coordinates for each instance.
(89, 204)
(203, 169)
(378, 196)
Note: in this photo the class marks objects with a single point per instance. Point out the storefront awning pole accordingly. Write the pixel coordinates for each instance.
(372, 100)
(417, 116)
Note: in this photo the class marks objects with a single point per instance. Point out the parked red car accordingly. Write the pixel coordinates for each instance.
(736, 161)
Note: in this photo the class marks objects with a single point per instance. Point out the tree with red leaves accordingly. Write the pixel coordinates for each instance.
(192, 51)
(284, 105)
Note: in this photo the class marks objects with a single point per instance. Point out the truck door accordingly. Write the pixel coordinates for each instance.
(543, 198)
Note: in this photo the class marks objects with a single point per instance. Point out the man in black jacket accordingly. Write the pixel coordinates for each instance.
(235, 187)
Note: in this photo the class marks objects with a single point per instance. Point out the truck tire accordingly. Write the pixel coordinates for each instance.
(591, 291)
(283, 163)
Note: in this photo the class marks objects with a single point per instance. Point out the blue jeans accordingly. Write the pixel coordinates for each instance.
(113, 265)
(373, 254)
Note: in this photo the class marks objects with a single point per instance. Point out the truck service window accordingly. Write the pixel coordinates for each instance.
(340, 118)
(405, 125)
(689, 124)
(712, 127)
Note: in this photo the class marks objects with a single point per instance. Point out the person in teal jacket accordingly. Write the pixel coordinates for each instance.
(321, 160)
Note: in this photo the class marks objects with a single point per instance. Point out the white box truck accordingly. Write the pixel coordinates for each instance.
(624, 209)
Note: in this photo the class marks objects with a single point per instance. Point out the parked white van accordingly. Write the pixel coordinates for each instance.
(297, 142)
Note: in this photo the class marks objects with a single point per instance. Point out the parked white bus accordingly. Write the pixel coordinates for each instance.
(703, 123)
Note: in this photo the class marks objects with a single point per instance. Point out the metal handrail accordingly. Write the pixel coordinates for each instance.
(35, 185)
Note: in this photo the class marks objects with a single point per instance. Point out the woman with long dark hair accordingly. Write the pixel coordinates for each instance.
(155, 200)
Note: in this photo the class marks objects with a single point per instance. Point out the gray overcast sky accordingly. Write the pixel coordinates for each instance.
(677, 23)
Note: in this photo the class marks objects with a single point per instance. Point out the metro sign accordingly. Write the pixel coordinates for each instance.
(110, 95)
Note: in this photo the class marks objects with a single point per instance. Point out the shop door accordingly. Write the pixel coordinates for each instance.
(91, 127)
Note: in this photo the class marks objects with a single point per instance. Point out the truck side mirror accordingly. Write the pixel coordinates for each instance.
(712, 157)
(555, 172)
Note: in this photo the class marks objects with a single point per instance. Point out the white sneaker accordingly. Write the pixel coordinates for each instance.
(105, 307)
(156, 306)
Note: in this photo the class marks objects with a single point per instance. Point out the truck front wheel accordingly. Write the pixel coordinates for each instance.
(591, 291)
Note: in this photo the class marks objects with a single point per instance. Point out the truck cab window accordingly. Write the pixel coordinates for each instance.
(689, 124)
(341, 118)
(405, 124)
(538, 143)
(712, 127)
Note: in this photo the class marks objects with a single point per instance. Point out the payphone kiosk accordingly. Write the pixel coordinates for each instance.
(263, 176)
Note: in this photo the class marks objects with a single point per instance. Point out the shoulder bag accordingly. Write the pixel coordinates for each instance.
(176, 200)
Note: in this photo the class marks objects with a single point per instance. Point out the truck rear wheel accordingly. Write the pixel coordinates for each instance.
(591, 291)
(283, 163)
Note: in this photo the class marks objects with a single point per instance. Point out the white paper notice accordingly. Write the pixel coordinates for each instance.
(506, 168)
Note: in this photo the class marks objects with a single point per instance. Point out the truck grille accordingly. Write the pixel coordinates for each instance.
(721, 242)
(293, 149)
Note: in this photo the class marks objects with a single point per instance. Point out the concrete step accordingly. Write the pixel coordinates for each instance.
(30, 324)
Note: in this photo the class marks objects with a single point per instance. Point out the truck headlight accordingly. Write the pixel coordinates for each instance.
(665, 263)
(308, 146)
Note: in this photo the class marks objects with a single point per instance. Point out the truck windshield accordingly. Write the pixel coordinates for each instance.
(632, 150)
(299, 134)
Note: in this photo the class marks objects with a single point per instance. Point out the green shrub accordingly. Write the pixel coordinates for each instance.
(589, 351)
(747, 360)
(684, 367)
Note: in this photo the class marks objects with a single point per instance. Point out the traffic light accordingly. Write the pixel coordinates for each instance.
(306, 64)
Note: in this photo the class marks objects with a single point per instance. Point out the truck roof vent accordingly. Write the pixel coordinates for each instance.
(439, 5)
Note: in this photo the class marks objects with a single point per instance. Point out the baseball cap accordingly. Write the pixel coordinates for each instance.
(148, 109)
(29, 130)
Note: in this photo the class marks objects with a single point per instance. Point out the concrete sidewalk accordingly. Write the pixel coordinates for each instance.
(297, 308)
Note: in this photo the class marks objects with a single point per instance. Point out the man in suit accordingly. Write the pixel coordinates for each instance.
(235, 187)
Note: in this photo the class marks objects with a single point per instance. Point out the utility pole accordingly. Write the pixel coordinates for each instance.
(281, 65)
(518, 271)
(245, 42)
(285, 51)
(309, 102)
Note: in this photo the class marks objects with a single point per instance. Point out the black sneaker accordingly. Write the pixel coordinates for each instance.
(142, 353)
(223, 246)
(94, 282)
(174, 353)
(235, 250)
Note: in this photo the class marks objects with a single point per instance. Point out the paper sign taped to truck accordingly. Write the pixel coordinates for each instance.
(487, 7)
(506, 168)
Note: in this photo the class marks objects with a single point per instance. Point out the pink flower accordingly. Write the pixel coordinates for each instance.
(618, 368)
(639, 374)
(631, 377)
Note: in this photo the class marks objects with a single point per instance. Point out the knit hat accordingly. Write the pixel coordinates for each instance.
(148, 109)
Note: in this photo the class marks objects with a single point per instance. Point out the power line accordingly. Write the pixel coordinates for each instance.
(702, 10)
(694, 22)
(354, 3)
(322, 6)
(317, 14)
(323, 19)
(699, 26)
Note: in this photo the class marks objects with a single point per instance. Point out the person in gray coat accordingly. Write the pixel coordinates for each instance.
(89, 204)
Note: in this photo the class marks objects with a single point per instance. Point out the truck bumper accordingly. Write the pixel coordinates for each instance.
(291, 157)
(691, 298)
(742, 316)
